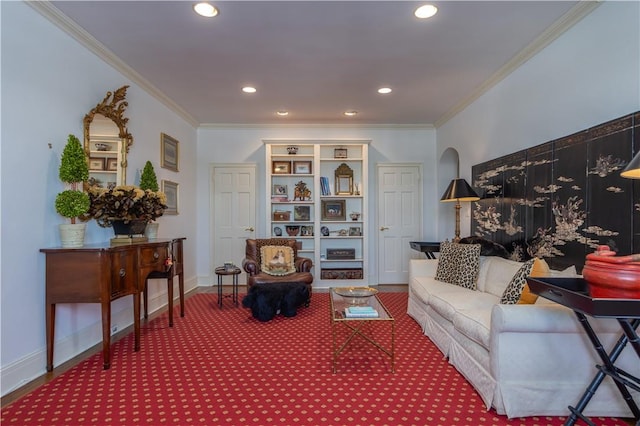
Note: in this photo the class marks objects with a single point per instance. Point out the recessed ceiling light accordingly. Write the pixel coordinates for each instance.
(350, 113)
(426, 11)
(205, 9)
(282, 113)
(249, 89)
(384, 90)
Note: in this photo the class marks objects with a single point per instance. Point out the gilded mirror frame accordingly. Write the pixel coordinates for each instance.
(344, 180)
(112, 107)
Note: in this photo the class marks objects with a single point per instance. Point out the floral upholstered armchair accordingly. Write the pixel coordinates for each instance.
(275, 260)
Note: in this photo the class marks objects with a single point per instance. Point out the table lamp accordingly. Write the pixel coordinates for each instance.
(632, 171)
(459, 190)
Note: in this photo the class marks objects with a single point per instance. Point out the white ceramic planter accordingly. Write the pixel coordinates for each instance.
(72, 234)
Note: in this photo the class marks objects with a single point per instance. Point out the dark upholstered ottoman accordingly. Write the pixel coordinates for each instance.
(266, 300)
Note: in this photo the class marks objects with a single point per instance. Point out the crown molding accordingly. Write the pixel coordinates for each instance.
(59, 19)
(568, 20)
(315, 126)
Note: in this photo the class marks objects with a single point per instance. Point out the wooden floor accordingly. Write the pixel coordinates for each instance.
(57, 371)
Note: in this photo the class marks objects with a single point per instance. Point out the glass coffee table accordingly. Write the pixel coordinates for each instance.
(357, 325)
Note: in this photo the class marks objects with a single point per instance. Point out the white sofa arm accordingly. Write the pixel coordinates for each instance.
(543, 318)
(422, 268)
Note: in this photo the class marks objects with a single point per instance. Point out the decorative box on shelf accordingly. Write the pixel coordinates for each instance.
(341, 273)
(341, 254)
(281, 215)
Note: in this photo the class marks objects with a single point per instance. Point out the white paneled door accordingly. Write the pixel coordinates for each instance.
(399, 219)
(234, 212)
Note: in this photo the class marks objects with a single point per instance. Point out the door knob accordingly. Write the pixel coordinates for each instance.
(250, 229)
(384, 228)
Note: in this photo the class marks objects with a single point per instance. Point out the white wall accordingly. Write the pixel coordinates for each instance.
(49, 82)
(590, 75)
(235, 145)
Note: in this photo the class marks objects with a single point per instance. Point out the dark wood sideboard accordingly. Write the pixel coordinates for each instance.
(101, 273)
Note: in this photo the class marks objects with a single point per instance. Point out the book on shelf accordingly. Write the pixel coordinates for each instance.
(360, 312)
(324, 185)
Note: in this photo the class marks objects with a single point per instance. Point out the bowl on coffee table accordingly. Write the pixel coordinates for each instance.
(356, 295)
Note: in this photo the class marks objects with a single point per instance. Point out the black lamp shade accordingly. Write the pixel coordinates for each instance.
(632, 171)
(459, 190)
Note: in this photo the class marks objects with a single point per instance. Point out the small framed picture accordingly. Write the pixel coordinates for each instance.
(306, 231)
(355, 231)
(302, 213)
(281, 167)
(112, 164)
(96, 163)
(279, 190)
(333, 210)
(340, 153)
(170, 189)
(168, 152)
(302, 167)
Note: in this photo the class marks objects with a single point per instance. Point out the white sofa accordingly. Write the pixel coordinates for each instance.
(523, 360)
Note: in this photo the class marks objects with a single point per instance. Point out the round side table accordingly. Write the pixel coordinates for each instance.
(234, 272)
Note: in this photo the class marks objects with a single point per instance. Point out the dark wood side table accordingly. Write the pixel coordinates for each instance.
(175, 268)
(100, 273)
(234, 272)
(574, 294)
(428, 248)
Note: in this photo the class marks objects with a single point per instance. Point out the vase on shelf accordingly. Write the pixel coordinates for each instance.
(151, 231)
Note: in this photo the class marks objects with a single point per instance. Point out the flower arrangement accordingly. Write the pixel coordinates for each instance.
(126, 203)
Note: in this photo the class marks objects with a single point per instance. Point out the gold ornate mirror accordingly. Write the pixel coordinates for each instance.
(344, 180)
(107, 140)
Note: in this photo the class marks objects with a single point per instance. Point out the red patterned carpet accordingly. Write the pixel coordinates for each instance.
(222, 367)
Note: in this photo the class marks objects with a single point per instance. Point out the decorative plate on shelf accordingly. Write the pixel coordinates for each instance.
(356, 295)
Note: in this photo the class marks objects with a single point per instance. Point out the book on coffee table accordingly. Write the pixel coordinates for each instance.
(360, 312)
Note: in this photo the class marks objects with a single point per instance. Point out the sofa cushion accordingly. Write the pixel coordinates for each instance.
(485, 261)
(513, 291)
(499, 274)
(475, 324)
(540, 268)
(424, 287)
(277, 260)
(569, 272)
(459, 264)
(447, 303)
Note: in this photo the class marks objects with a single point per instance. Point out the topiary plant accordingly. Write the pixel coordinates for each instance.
(148, 178)
(74, 170)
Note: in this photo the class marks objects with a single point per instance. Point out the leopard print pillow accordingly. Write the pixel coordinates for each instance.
(459, 264)
(513, 291)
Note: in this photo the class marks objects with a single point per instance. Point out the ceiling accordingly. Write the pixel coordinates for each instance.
(317, 59)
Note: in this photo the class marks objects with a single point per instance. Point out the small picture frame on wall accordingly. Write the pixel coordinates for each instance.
(170, 189)
(168, 152)
(96, 163)
(112, 164)
(355, 231)
(281, 167)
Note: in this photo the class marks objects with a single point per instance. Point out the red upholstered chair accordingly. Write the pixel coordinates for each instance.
(251, 264)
